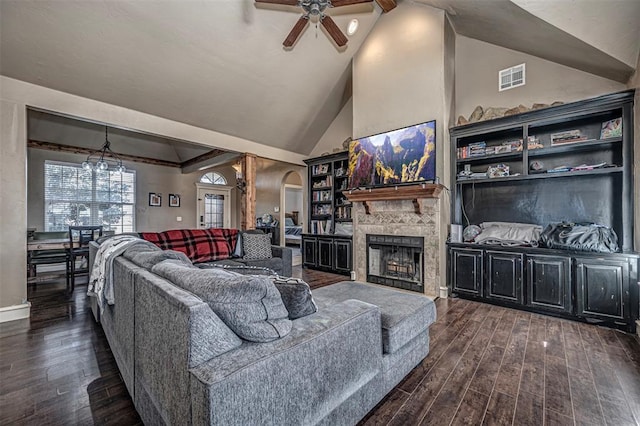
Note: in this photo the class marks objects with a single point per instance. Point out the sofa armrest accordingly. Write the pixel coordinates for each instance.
(287, 258)
(299, 379)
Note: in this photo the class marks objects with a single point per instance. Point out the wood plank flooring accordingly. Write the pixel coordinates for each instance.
(487, 365)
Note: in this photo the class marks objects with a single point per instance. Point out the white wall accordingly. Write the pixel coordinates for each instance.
(340, 129)
(476, 82)
(634, 83)
(293, 200)
(13, 208)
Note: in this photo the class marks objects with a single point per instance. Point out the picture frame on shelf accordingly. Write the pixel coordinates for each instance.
(174, 200)
(567, 137)
(611, 128)
(155, 199)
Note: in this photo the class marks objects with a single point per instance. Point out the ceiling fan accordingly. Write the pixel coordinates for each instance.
(316, 8)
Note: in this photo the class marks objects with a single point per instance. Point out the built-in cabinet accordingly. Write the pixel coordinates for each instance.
(573, 163)
(327, 243)
(591, 286)
(327, 253)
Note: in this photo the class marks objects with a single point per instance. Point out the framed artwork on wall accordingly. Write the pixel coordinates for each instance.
(155, 200)
(174, 200)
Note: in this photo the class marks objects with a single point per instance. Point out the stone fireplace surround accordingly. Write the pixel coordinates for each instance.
(383, 212)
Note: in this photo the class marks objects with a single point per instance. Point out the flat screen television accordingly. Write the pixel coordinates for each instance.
(400, 156)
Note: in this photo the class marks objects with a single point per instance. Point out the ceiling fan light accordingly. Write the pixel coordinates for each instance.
(353, 27)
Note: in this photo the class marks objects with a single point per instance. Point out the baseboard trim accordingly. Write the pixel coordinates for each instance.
(15, 312)
(638, 328)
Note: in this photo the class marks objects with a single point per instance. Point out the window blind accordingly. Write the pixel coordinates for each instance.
(74, 196)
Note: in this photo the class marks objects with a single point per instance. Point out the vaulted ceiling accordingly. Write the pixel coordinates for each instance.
(220, 64)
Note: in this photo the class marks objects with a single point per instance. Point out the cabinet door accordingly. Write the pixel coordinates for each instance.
(342, 250)
(309, 251)
(504, 276)
(602, 288)
(549, 282)
(325, 253)
(466, 271)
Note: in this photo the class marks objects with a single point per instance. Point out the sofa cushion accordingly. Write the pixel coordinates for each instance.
(200, 245)
(403, 315)
(275, 263)
(296, 295)
(146, 256)
(250, 305)
(256, 246)
(239, 268)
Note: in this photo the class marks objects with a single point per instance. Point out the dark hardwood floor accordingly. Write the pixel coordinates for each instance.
(487, 365)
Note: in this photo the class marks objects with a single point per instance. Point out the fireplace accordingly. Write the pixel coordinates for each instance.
(395, 261)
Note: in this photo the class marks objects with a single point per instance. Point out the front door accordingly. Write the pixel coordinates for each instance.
(214, 206)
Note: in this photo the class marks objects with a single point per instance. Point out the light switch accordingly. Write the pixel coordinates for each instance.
(276, 209)
(179, 218)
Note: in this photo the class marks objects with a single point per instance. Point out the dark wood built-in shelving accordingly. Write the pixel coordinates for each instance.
(596, 287)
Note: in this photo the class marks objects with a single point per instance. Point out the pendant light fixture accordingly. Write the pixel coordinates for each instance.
(96, 160)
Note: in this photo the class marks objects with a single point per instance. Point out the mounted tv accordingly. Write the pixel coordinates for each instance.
(400, 156)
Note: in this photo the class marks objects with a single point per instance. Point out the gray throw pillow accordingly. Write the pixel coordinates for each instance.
(256, 246)
(237, 252)
(250, 305)
(296, 295)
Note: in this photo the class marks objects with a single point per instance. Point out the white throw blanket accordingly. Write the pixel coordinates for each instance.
(101, 279)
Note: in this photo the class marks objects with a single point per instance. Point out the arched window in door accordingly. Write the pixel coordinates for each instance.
(213, 178)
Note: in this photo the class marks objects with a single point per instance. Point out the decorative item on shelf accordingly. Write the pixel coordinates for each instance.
(611, 128)
(569, 136)
(241, 184)
(102, 164)
(536, 166)
(174, 200)
(155, 199)
(489, 113)
(533, 143)
(499, 170)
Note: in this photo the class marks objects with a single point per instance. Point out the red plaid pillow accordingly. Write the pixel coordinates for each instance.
(200, 245)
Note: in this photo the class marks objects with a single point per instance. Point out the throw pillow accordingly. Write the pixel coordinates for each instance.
(296, 295)
(250, 305)
(237, 251)
(256, 246)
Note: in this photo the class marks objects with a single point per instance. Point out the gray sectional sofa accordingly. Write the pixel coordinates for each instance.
(182, 365)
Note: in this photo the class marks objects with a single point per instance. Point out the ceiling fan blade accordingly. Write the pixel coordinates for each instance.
(296, 31)
(338, 3)
(333, 30)
(387, 5)
(285, 2)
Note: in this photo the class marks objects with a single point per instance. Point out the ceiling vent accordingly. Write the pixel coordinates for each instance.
(511, 77)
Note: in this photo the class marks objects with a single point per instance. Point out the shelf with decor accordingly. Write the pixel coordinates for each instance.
(572, 162)
(325, 245)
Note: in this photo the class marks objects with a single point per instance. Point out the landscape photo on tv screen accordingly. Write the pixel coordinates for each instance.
(399, 156)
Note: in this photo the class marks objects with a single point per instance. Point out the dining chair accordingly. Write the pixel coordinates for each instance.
(79, 239)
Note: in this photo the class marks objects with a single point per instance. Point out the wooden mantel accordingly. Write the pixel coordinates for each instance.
(404, 192)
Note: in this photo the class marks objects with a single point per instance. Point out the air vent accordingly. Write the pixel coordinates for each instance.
(511, 77)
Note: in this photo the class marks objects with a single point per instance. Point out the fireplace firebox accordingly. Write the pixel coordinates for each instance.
(395, 261)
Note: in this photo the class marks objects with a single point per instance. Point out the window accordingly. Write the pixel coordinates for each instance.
(74, 196)
(213, 178)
